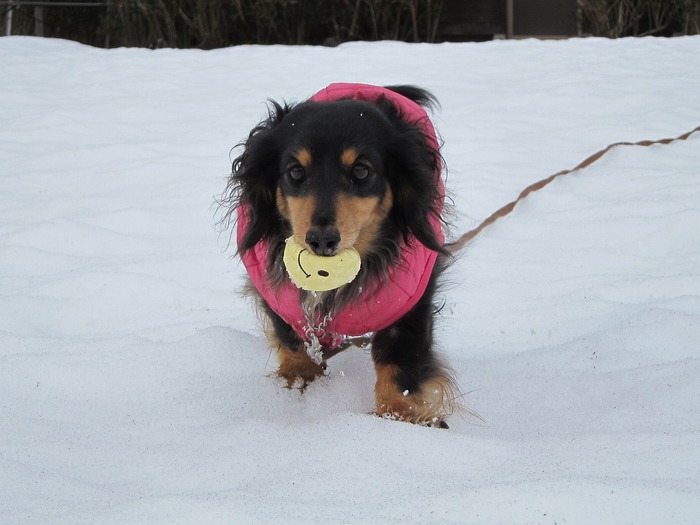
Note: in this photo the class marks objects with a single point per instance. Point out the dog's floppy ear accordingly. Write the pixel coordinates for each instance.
(254, 177)
(420, 96)
(413, 172)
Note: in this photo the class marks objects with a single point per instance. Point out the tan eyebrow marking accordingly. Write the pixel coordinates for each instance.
(304, 157)
(349, 156)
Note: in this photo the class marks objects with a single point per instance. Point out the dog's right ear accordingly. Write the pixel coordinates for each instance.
(254, 177)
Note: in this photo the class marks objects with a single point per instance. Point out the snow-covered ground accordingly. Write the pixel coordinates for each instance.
(134, 383)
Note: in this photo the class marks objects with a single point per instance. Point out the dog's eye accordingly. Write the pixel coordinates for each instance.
(360, 172)
(296, 172)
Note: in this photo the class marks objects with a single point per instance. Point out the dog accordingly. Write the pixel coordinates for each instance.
(355, 166)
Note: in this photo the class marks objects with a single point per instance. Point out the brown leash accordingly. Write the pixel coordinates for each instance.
(505, 210)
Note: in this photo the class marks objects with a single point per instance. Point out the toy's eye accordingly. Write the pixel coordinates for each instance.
(360, 172)
(296, 172)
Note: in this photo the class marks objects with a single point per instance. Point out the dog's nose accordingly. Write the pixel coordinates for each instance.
(323, 242)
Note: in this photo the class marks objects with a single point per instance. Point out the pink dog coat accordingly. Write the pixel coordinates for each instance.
(390, 300)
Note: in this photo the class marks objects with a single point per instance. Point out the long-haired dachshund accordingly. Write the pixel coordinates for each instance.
(355, 166)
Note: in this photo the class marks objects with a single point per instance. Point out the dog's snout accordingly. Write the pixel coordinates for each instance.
(323, 241)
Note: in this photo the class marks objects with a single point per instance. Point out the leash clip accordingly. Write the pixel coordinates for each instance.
(316, 334)
(320, 344)
(313, 346)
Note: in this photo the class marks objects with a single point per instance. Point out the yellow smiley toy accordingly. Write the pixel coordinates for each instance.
(318, 273)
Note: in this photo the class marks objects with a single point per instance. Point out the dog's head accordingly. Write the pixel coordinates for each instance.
(340, 174)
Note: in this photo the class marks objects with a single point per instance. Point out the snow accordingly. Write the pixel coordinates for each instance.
(135, 384)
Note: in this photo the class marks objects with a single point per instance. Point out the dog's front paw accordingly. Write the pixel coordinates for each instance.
(430, 405)
(297, 369)
(391, 414)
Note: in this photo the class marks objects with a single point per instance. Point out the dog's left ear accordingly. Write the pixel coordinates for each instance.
(254, 177)
(413, 172)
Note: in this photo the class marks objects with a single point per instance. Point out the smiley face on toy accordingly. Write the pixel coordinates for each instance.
(320, 273)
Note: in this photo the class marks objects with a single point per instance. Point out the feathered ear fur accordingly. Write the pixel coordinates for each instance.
(254, 177)
(413, 172)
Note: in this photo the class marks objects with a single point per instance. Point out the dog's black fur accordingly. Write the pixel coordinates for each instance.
(298, 169)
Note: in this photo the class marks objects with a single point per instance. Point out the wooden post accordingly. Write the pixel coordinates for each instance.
(8, 19)
(509, 18)
(38, 21)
